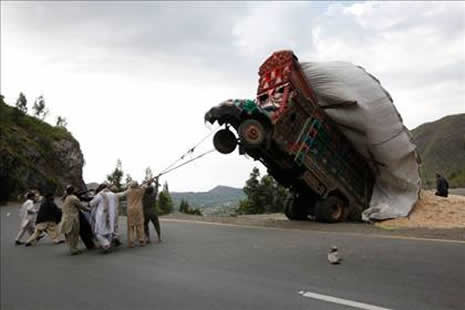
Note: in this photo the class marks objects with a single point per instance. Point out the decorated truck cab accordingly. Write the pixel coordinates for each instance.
(286, 130)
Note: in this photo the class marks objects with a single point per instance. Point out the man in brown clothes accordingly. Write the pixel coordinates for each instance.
(134, 195)
(69, 224)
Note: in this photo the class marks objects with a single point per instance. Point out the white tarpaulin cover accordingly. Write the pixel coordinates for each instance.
(376, 131)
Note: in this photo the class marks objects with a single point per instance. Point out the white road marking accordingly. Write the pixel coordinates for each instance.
(341, 301)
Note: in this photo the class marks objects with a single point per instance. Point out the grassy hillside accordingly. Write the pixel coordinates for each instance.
(441, 145)
(35, 155)
(217, 197)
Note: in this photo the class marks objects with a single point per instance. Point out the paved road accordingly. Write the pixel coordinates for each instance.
(457, 191)
(204, 266)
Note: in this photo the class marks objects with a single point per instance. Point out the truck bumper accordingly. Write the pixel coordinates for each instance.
(224, 113)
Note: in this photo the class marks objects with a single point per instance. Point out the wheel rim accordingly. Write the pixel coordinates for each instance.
(253, 134)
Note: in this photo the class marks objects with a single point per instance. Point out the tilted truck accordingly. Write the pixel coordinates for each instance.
(286, 130)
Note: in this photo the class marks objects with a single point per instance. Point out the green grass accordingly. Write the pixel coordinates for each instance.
(441, 145)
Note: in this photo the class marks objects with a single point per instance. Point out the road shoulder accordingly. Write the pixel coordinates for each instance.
(280, 222)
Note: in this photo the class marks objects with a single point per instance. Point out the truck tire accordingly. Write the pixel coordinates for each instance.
(252, 133)
(331, 210)
(295, 210)
(225, 141)
(355, 215)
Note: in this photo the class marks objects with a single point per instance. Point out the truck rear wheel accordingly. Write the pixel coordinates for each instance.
(331, 210)
(252, 133)
(295, 209)
(225, 141)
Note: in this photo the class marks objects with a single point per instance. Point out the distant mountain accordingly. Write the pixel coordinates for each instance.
(218, 197)
(441, 145)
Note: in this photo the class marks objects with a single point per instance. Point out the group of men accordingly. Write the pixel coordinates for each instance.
(93, 220)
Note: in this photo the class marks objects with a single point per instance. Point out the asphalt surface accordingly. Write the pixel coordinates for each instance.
(205, 266)
(457, 191)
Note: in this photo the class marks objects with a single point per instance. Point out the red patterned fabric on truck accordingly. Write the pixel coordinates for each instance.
(275, 71)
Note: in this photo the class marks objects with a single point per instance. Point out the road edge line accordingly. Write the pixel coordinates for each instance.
(315, 231)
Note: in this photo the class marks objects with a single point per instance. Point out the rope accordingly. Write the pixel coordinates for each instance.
(185, 163)
(190, 151)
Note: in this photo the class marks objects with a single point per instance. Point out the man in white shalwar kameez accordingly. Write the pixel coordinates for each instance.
(27, 213)
(105, 206)
(114, 209)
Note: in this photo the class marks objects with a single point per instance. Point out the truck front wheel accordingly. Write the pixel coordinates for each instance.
(331, 210)
(225, 141)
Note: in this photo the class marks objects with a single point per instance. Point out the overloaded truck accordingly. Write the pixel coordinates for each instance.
(302, 148)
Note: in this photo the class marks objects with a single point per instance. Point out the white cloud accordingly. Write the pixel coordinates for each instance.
(261, 30)
(410, 47)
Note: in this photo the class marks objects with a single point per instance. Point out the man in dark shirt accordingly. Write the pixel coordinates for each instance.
(47, 218)
(150, 214)
(442, 187)
(85, 228)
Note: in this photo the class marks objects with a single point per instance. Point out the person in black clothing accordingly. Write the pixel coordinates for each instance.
(442, 187)
(47, 219)
(85, 228)
(150, 214)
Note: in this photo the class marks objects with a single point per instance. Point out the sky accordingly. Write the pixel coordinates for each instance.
(134, 79)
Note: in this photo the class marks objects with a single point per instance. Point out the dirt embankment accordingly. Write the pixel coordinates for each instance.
(432, 212)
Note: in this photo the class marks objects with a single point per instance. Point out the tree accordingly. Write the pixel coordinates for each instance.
(3, 116)
(61, 122)
(185, 208)
(251, 205)
(165, 202)
(39, 108)
(194, 212)
(148, 174)
(252, 183)
(279, 198)
(128, 179)
(21, 103)
(264, 196)
(244, 207)
(116, 176)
